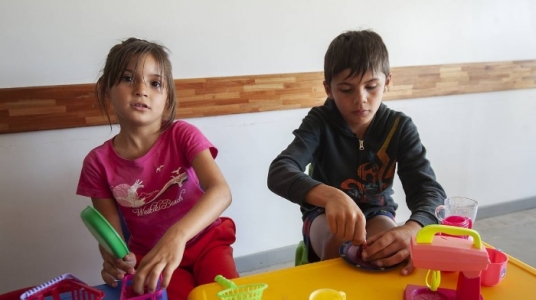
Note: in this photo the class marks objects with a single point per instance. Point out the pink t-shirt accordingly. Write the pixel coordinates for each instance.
(154, 191)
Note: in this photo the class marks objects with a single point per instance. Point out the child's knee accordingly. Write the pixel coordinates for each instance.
(378, 224)
(181, 284)
(218, 261)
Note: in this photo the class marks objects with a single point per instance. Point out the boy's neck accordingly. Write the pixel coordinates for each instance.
(360, 130)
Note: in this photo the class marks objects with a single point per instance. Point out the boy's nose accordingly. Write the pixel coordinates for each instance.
(360, 98)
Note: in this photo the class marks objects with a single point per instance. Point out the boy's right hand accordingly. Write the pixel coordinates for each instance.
(346, 220)
(114, 268)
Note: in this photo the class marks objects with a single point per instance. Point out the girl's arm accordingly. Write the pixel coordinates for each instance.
(108, 210)
(167, 254)
(113, 268)
(211, 205)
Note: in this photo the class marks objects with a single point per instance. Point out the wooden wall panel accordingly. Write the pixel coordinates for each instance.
(67, 106)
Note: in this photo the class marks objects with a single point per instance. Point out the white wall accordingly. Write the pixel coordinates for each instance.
(481, 145)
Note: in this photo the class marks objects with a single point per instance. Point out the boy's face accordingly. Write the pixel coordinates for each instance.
(358, 98)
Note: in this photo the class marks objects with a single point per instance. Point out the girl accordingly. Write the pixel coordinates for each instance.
(160, 174)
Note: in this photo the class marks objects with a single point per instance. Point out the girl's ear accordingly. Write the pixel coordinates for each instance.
(107, 95)
(327, 88)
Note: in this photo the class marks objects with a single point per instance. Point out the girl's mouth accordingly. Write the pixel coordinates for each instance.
(140, 105)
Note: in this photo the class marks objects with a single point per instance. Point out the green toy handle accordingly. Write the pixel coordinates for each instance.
(427, 233)
(228, 284)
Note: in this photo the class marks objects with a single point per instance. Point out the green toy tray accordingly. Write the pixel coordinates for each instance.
(105, 234)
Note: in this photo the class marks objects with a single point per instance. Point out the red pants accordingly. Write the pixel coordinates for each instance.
(207, 257)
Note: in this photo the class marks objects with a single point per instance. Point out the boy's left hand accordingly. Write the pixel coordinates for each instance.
(391, 247)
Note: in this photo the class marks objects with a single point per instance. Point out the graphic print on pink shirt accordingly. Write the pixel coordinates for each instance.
(127, 195)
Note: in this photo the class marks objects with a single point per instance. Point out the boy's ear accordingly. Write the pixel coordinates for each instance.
(327, 88)
(387, 82)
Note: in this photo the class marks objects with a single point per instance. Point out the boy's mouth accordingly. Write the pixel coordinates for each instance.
(361, 112)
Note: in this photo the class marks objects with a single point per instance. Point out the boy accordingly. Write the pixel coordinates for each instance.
(353, 143)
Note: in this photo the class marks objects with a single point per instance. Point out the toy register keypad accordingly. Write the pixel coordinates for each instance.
(352, 255)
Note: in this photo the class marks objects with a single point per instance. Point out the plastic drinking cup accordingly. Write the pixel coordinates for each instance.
(458, 206)
(458, 221)
(327, 294)
(496, 269)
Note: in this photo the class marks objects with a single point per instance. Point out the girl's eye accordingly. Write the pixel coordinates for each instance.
(371, 87)
(346, 91)
(127, 78)
(156, 84)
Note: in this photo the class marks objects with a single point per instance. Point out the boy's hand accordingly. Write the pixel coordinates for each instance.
(114, 268)
(346, 221)
(163, 259)
(391, 247)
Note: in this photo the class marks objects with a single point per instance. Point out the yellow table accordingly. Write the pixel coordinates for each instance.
(296, 283)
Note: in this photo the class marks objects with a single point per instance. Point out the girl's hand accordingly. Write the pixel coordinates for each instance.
(114, 268)
(391, 247)
(163, 259)
(346, 221)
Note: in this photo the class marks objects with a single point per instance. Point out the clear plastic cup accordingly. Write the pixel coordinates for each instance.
(458, 206)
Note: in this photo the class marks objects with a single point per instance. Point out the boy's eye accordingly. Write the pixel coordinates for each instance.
(371, 87)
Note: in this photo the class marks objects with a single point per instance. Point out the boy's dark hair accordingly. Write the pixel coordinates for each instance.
(358, 51)
(116, 63)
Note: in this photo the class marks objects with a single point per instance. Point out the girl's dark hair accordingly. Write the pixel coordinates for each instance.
(116, 64)
(358, 51)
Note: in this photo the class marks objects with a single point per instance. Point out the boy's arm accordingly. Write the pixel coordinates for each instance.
(286, 176)
(423, 192)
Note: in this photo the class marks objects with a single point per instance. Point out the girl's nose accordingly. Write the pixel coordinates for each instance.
(140, 88)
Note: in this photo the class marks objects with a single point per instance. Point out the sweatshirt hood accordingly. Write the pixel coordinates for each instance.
(331, 113)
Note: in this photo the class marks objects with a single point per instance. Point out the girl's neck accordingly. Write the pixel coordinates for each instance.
(132, 144)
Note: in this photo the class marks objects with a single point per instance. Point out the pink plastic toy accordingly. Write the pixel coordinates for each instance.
(496, 269)
(128, 293)
(448, 253)
(66, 286)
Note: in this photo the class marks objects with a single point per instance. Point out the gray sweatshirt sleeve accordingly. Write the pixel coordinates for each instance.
(286, 176)
(423, 192)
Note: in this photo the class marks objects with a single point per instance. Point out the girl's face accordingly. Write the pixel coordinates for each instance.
(139, 99)
(358, 99)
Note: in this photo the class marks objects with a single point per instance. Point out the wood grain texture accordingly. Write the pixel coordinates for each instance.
(67, 106)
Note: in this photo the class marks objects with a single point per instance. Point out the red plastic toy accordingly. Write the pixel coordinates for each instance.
(66, 286)
(127, 293)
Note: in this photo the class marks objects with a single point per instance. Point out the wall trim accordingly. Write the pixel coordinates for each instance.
(281, 255)
(66, 106)
(494, 210)
(265, 259)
